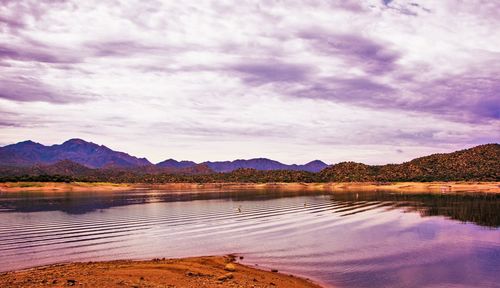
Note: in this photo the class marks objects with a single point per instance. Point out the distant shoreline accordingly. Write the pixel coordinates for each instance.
(433, 187)
(209, 271)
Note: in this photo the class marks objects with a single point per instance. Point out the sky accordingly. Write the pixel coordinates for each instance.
(368, 81)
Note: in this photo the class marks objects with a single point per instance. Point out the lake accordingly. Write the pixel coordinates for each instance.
(370, 239)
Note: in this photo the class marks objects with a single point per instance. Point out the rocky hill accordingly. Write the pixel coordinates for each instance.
(481, 163)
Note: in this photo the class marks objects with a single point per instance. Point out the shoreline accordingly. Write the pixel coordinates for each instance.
(432, 187)
(204, 271)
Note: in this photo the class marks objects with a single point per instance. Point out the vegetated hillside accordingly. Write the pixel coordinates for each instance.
(481, 163)
(67, 170)
(63, 168)
(29, 153)
(478, 163)
(259, 176)
(348, 172)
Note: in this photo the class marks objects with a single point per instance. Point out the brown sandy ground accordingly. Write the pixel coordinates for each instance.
(439, 187)
(188, 272)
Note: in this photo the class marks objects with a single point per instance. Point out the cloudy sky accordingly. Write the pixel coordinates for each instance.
(370, 81)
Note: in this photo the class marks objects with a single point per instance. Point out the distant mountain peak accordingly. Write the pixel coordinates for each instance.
(27, 143)
(78, 142)
(75, 141)
(172, 163)
(76, 150)
(316, 162)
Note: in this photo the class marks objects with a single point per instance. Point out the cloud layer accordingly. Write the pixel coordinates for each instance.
(372, 81)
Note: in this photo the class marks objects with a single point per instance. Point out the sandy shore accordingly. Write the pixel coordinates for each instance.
(188, 272)
(440, 187)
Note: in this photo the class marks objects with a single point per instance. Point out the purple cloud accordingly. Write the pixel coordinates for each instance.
(37, 53)
(464, 97)
(17, 15)
(349, 5)
(469, 96)
(350, 90)
(124, 48)
(355, 50)
(262, 72)
(10, 23)
(9, 124)
(27, 89)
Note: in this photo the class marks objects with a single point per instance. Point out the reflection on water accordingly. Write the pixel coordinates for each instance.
(479, 208)
(344, 239)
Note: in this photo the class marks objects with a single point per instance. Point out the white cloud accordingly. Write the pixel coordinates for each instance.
(157, 78)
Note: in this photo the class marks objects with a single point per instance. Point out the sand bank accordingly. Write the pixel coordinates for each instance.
(188, 272)
(439, 187)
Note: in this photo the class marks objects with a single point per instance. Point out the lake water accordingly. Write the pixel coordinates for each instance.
(372, 239)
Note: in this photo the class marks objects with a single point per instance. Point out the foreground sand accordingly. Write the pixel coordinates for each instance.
(188, 272)
(441, 187)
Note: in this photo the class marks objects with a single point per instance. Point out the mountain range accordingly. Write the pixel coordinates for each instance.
(91, 155)
(28, 161)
